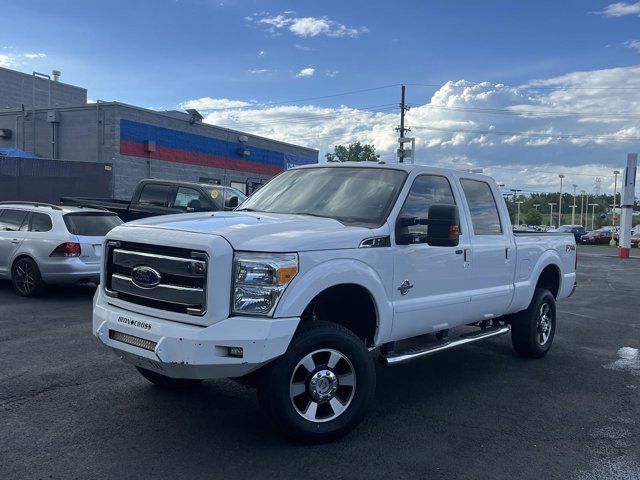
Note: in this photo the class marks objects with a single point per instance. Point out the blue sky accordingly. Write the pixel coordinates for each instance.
(254, 54)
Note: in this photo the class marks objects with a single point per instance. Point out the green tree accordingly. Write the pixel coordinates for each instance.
(355, 152)
(533, 217)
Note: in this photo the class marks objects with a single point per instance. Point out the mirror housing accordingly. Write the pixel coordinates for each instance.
(444, 228)
(443, 231)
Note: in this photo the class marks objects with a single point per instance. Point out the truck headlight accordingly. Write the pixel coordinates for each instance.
(259, 279)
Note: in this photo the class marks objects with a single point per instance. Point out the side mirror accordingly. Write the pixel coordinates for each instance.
(194, 206)
(444, 228)
(232, 203)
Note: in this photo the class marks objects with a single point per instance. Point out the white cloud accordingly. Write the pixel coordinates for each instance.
(208, 103)
(633, 44)
(303, 48)
(331, 73)
(262, 53)
(516, 133)
(305, 26)
(256, 71)
(34, 55)
(306, 72)
(621, 9)
(14, 60)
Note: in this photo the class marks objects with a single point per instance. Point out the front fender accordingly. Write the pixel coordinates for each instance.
(303, 289)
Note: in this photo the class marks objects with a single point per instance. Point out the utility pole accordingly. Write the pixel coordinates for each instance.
(573, 207)
(593, 212)
(402, 129)
(613, 211)
(560, 201)
(519, 203)
(583, 218)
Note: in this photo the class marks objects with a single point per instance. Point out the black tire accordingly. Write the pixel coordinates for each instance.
(26, 278)
(531, 334)
(167, 382)
(319, 341)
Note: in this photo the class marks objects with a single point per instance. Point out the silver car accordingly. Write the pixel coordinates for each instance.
(44, 244)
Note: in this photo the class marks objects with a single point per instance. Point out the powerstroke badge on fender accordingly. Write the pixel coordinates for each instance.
(134, 323)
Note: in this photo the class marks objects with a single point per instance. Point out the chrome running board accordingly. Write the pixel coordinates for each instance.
(397, 358)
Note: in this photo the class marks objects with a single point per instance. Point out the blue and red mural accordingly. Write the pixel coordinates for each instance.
(149, 141)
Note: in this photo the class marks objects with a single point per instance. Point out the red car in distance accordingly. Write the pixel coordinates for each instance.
(597, 237)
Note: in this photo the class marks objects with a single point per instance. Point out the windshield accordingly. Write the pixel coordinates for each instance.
(91, 224)
(360, 196)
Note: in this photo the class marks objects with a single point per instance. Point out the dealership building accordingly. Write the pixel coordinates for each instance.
(52, 121)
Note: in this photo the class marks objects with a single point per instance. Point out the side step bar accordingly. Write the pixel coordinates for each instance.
(397, 358)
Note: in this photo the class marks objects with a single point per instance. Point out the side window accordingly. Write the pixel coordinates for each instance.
(188, 197)
(485, 218)
(40, 222)
(426, 190)
(239, 186)
(155, 194)
(11, 220)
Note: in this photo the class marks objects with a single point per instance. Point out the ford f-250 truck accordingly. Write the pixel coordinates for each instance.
(320, 271)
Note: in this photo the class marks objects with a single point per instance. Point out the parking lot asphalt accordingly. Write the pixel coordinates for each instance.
(70, 409)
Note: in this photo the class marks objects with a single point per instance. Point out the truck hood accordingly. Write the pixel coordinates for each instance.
(264, 232)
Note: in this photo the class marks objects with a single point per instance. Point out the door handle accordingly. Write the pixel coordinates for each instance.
(15, 240)
(459, 252)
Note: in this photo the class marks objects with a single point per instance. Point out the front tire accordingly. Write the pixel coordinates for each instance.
(26, 278)
(320, 389)
(167, 382)
(533, 329)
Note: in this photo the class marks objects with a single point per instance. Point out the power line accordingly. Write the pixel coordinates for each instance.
(526, 87)
(533, 135)
(531, 113)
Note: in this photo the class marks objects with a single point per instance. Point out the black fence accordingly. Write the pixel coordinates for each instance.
(46, 180)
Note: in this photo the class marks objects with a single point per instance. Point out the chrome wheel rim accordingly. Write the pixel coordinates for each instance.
(545, 322)
(322, 385)
(25, 277)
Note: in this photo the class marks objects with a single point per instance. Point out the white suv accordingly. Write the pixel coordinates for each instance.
(44, 244)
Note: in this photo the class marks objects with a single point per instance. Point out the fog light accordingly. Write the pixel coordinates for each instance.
(236, 352)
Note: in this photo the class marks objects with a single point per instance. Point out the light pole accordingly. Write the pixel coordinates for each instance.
(593, 212)
(583, 219)
(561, 176)
(613, 212)
(519, 203)
(551, 204)
(573, 207)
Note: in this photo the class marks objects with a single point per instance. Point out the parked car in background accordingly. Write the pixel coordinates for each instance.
(577, 230)
(166, 197)
(596, 237)
(43, 244)
(635, 240)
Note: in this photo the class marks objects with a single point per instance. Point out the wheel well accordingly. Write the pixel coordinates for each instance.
(349, 305)
(550, 279)
(22, 255)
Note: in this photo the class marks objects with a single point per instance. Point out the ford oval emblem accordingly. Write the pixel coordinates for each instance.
(145, 277)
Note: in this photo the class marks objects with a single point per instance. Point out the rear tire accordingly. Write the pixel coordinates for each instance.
(321, 388)
(26, 278)
(167, 382)
(533, 329)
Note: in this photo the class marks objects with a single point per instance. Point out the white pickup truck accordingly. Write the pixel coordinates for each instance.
(323, 269)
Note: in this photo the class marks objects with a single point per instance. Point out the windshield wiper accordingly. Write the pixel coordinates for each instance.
(246, 210)
(310, 214)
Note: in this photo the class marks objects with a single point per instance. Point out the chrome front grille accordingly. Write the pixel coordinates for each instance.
(177, 279)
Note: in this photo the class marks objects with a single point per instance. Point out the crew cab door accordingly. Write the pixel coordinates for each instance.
(492, 247)
(154, 199)
(431, 284)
